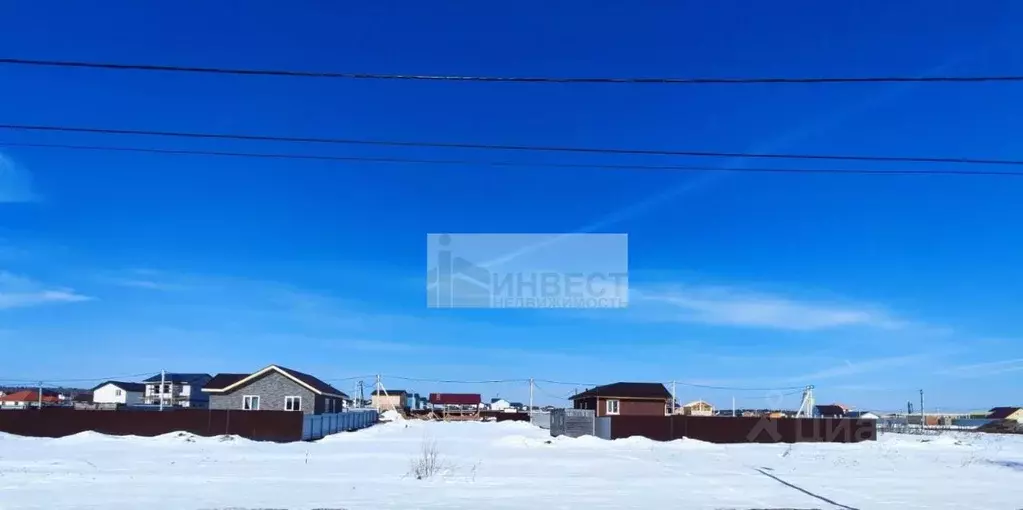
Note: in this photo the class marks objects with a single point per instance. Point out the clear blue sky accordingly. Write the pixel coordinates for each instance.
(867, 287)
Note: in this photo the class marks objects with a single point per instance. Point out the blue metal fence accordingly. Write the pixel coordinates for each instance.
(316, 426)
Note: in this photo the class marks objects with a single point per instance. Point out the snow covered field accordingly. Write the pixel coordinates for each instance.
(506, 465)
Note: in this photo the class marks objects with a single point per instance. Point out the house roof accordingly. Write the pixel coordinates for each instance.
(698, 403)
(464, 399)
(29, 396)
(229, 382)
(389, 392)
(831, 409)
(126, 386)
(858, 414)
(626, 390)
(1001, 413)
(224, 380)
(496, 399)
(179, 378)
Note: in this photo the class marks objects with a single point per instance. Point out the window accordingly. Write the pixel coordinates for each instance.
(612, 407)
(292, 403)
(118, 393)
(250, 403)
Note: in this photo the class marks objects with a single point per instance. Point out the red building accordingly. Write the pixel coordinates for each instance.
(457, 406)
(625, 399)
(29, 398)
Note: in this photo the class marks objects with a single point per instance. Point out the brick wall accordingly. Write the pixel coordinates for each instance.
(272, 387)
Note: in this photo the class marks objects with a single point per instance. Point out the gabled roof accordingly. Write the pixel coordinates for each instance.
(698, 403)
(1001, 413)
(831, 409)
(30, 396)
(458, 399)
(126, 386)
(231, 381)
(858, 414)
(389, 392)
(496, 399)
(224, 380)
(627, 390)
(179, 378)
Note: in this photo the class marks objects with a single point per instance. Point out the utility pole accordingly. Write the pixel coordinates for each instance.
(530, 400)
(362, 395)
(163, 377)
(923, 418)
(40, 395)
(733, 406)
(674, 399)
(383, 391)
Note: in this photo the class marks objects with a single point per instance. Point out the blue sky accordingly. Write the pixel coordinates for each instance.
(867, 287)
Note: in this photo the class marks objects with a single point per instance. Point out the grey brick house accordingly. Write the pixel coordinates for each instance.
(274, 388)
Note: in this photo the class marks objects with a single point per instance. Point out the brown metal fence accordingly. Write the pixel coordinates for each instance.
(280, 426)
(716, 429)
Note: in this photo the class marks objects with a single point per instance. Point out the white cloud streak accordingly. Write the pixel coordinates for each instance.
(729, 306)
(15, 182)
(987, 368)
(849, 368)
(148, 284)
(20, 292)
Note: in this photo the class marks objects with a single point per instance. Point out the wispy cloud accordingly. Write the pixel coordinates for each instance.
(20, 292)
(148, 279)
(15, 182)
(986, 369)
(728, 306)
(147, 284)
(859, 367)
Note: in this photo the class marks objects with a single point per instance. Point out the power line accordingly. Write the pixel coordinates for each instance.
(566, 383)
(732, 388)
(82, 379)
(457, 162)
(692, 385)
(531, 148)
(450, 381)
(551, 395)
(510, 79)
(352, 378)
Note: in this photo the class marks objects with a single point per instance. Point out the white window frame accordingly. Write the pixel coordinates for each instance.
(247, 401)
(617, 407)
(289, 403)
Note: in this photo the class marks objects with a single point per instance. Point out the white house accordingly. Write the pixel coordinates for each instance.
(499, 404)
(177, 389)
(118, 392)
(862, 415)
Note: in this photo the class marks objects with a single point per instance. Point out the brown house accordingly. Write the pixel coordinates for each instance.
(626, 399)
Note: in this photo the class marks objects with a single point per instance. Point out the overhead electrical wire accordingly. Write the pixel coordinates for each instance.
(500, 147)
(82, 379)
(450, 381)
(511, 79)
(458, 162)
(731, 388)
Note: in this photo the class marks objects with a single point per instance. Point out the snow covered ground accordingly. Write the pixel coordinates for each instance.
(506, 465)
